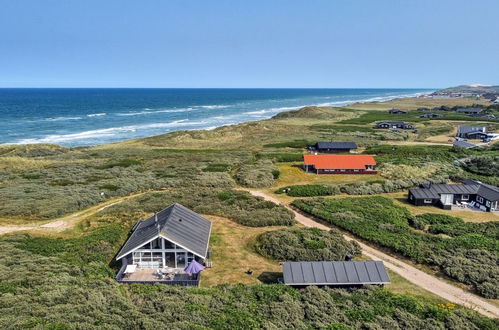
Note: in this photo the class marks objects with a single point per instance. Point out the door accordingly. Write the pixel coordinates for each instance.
(447, 199)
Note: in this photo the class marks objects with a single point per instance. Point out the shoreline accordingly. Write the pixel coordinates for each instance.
(58, 139)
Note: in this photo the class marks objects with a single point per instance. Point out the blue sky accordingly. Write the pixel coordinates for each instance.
(276, 43)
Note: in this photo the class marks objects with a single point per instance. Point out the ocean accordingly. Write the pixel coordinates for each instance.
(82, 117)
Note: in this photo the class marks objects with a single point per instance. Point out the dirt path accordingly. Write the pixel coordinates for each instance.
(68, 221)
(410, 273)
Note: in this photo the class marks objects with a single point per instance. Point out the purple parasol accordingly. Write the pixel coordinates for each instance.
(194, 267)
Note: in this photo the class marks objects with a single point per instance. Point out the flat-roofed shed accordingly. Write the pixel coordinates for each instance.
(335, 273)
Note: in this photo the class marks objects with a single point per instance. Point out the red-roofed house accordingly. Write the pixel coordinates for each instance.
(340, 164)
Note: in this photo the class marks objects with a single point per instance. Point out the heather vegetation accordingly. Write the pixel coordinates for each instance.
(49, 291)
(308, 244)
(66, 280)
(262, 173)
(482, 165)
(54, 185)
(239, 206)
(466, 255)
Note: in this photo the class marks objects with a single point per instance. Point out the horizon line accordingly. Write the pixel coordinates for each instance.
(222, 87)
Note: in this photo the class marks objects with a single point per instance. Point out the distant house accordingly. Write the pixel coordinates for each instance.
(340, 164)
(171, 240)
(396, 112)
(334, 273)
(469, 111)
(333, 147)
(430, 115)
(437, 109)
(471, 132)
(464, 144)
(393, 124)
(480, 195)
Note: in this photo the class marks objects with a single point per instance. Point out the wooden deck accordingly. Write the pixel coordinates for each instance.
(149, 276)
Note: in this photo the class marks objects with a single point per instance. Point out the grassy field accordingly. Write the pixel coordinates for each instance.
(412, 103)
(233, 254)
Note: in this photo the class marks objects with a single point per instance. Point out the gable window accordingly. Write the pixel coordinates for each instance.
(428, 201)
(465, 197)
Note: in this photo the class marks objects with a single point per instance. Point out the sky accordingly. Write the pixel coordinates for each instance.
(258, 43)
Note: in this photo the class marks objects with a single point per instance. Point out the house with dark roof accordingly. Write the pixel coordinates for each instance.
(469, 111)
(396, 112)
(474, 193)
(472, 132)
(339, 164)
(393, 124)
(165, 244)
(333, 147)
(430, 115)
(334, 273)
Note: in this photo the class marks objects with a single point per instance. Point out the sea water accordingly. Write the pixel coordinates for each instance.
(80, 117)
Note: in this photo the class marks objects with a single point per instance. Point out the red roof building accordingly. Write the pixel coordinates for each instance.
(340, 164)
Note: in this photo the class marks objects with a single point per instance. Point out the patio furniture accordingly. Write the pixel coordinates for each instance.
(129, 269)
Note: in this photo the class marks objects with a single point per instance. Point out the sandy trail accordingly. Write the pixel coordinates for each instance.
(426, 281)
(68, 221)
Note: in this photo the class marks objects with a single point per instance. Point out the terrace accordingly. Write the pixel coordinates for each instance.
(151, 276)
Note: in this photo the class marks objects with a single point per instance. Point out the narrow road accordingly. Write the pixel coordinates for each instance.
(67, 221)
(410, 273)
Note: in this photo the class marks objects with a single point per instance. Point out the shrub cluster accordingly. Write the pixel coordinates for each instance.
(262, 173)
(281, 157)
(482, 165)
(309, 190)
(378, 220)
(306, 244)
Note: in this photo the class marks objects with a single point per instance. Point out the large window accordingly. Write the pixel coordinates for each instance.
(156, 243)
(161, 253)
(181, 260)
(428, 201)
(170, 259)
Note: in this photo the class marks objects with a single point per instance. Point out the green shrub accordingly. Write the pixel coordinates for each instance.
(281, 157)
(298, 144)
(309, 190)
(257, 175)
(120, 163)
(108, 186)
(309, 244)
(217, 168)
(482, 165)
